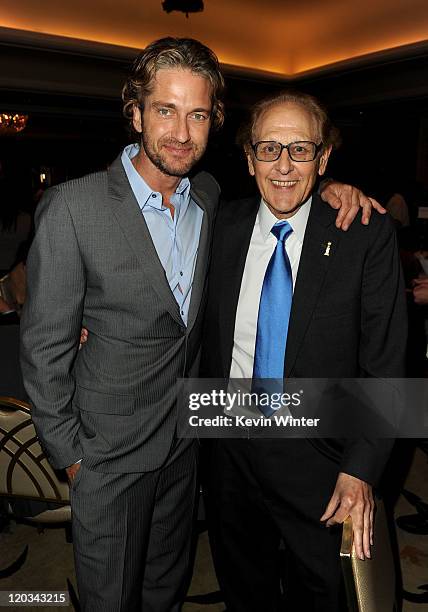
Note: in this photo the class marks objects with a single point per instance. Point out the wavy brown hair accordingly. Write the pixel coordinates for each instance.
(186, 53)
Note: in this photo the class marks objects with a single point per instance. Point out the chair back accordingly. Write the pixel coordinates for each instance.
(370, 584)
(24, 469)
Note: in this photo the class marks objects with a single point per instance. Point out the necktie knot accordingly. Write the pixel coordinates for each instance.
(282, 230)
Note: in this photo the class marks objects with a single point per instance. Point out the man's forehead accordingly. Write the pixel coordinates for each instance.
(285, 115)
(180, 88)
(170, 75)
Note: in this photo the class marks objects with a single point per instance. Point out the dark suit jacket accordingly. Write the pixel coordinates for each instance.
(93, 263)
(348, 316)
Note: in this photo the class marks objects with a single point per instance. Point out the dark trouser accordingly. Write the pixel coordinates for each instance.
(132, 535)
(260, 492)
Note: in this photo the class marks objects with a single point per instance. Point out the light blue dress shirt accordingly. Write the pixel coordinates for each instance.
(176, 240)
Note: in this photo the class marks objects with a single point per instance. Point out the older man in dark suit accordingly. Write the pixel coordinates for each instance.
(292, 296)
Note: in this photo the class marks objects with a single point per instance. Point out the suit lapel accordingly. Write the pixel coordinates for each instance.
(233, 249)
(128, 215)
(199, 278)
(315, 259)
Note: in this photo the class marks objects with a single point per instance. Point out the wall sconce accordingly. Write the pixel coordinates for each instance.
(184, 6)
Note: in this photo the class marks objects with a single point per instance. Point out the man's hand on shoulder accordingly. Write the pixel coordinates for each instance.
(348, 200)
(71, 472)
(353, 497)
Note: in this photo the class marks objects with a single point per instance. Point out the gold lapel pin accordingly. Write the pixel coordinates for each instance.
(327, 250)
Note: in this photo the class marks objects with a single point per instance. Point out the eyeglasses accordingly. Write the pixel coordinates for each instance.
(300, 151)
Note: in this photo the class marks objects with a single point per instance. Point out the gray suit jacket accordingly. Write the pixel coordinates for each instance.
(93, 263)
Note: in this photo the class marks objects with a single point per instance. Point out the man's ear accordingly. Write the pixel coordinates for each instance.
(323, 160)
(250, 161)
(137, 119)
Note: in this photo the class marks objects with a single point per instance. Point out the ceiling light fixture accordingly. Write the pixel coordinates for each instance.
(184, 6)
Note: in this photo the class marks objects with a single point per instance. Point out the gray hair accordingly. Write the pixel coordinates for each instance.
(328, 134)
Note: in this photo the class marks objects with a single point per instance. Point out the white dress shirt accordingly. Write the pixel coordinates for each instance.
(261, 247)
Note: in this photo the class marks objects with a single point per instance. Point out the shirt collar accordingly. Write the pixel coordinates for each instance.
(297, 222)
(142, 191)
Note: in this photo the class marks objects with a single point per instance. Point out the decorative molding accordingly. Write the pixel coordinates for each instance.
(71, 46)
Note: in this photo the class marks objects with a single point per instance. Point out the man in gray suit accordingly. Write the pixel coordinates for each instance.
(124, 253)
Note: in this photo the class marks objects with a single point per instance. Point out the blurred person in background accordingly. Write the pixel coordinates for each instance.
(15, 221)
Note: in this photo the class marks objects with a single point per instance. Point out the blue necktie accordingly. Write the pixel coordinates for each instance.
(273, 319)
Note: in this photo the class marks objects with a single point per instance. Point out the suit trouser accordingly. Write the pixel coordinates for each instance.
(260, 492)
(132, 535)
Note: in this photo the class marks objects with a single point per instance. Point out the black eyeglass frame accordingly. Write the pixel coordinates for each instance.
(318, 148)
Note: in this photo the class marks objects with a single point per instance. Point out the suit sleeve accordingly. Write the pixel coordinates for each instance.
(50, 328)
(383, 339)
